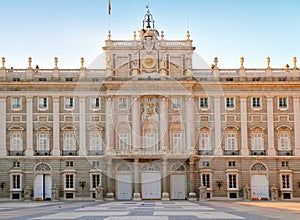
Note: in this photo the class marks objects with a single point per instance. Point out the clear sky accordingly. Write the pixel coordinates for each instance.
(227, 29)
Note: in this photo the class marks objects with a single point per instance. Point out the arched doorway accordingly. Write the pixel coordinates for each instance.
(259, 182)
(124, 182)
(178, 182)
(151, 181)
(42, 182)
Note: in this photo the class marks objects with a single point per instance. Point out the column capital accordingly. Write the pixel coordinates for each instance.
(296, 99)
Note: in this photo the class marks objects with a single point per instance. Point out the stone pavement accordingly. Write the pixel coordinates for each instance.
(146, 210)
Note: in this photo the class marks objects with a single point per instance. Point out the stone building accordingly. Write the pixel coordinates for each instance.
(150, 125)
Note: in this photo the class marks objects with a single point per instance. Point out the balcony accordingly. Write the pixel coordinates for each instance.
(42, 153)
(16, 153)
(231, 152)
(96, 152)
(205, 152)
(285, 153)
(69, 153)
(258, 152)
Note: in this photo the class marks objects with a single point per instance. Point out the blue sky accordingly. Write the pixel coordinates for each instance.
(228, 29)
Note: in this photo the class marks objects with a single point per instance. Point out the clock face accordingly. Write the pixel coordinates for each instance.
(149, 62)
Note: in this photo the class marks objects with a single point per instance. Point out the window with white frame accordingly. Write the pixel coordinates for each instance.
(203, 103)
(16, 141)
(69, 103)
(231, 141)
(150, 140)
(285, 164)
(16, 164)
(95, 180)
(16, 103)
(204, 141)
(43, 142)
(282, 103)
(43, 103)
(95, 103)
(230, 103)
(69, 164)
(284, 141)
(176, 103)
(69, 181)
(256, 102)
(257, 142)
(69, 142)
(16, 182)
(95, 140)
(206, 180)
(177, 142)
(123, 103)
(232, 181)
(286, 181)
(123, 141)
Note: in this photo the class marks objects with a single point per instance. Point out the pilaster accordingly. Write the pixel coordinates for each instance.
(82, 130)
(297, 124)
(29, 127)
(3, 151)
(270, 116)
(136, 125)
(109, 124)
(164, 124)
(110, 195)
(137, 190)
(165, 194)
(56, 132)
(217, 123)
(190, 124)
(244, 130)
(192, 194)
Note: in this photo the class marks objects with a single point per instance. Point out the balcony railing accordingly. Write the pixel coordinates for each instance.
(16, 153)
(42, 153)
(258, 152)
(205, 152)
(69, 153)
(231, 152)
(95, 152)
(285, 153)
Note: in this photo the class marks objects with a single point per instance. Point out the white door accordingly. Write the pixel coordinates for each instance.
(124, 186)
(259, 186)
(38, 187)
(151, 185)
(178, 187)
(48, 187)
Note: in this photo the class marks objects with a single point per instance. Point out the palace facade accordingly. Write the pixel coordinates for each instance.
(150, 125)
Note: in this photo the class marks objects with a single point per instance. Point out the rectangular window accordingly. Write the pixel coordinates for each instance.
(95, 103)
(204, 103)
(96, 164)
(43, 142)
(257, 141)
(285, 164)
(16, 103)
(150, 140)
(69, 181)
(69, 103)
(16, 182)
(284, 142)
(206, 180)
(256, 103)
(69, 164)
(231, 163)
(176, 103)
(285, 181)
(123, 141)
(43, 103)
(16, 143)
(282, 101)
(69, 141)
(95, 141)
(205, 164)
(230, 103)
(95, 180)
(16, 164)
(205, 141)
(231, 142)
(123, 105)
(177, 141)
(232, 181)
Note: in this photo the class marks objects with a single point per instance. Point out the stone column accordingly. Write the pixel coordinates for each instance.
(270, 116)
(137, 190)
(244, 130)
(82, 130)
(165, 194)
(3, 150)
(110, 195)
(109, 124)
(164, 134)
(190, 124)
(136, 125)
(192, 194)
(217, 123)
(297, 125)
(29, 127)
(56, 133)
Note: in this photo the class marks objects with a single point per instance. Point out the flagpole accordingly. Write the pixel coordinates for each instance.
(109, 13)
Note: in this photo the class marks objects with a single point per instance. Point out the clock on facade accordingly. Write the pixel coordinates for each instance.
(149, 62)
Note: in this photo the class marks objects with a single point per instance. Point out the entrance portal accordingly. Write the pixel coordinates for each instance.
(151, 182)
(42, 182)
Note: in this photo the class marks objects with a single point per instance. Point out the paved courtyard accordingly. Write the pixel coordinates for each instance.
(150, 210)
